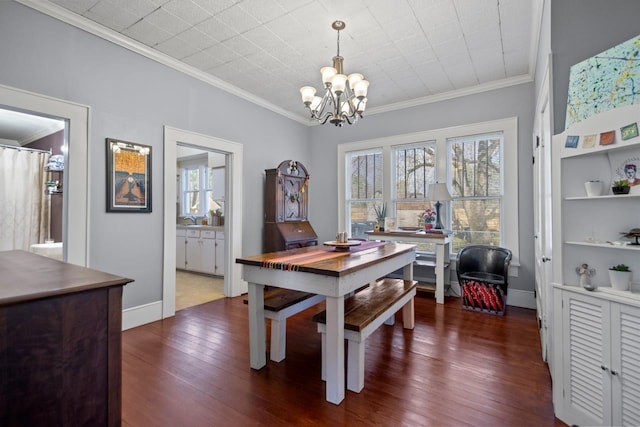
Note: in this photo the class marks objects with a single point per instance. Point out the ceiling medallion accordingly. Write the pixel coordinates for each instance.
(345, 97)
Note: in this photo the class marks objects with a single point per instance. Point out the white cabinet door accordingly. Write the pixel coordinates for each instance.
(587, 358)
(625, 366)
(208, 252)
(218, 183)
(220, 254)
(181, 242)
(194, 250)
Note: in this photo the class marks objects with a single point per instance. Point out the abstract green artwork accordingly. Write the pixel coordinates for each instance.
(603, 82)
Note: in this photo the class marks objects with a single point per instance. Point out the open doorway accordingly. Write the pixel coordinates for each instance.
(200, 234)
(232, 228)
(75, 204)
(32, 162)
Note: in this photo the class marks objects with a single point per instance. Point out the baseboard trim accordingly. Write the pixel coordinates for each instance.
(520, 298)
(141, 315)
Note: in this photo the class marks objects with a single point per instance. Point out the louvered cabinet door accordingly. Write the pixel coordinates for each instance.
(587, 356)
(625, 369)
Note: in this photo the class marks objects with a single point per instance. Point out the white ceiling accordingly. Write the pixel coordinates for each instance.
(411, 51)
(17, 128)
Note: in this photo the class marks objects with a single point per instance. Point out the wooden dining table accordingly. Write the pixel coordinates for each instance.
(328, 271)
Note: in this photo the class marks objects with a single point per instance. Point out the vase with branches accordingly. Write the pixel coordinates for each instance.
(381, 214)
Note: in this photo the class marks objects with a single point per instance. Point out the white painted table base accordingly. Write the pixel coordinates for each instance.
(442, 250)
(334, 289)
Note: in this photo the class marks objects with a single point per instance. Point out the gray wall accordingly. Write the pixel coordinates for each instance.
(498, 104)
(132, 98)
(581, 29)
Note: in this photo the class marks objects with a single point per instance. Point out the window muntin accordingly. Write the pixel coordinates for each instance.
(364, 190)
(476, 176)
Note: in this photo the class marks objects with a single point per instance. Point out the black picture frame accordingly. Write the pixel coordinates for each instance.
(128, 176)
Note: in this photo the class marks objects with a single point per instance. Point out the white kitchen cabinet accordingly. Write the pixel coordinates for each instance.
(207, 251)
(194, 251)
(181, 248)
(218, 183)
(600, 352)
(200, 250)
(220, 257)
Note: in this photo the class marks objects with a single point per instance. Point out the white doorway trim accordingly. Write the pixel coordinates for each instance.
(76, 184)
(233, 283)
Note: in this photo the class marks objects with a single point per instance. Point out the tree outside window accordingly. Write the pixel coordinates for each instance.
(365, 175)
(476, 184)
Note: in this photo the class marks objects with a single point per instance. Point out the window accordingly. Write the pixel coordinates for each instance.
(415, 169)
(479, 163)
(365, 190)
(191, 191)
(202, 190)
(475, 172)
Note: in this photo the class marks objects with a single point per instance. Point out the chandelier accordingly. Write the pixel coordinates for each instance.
(345, 97)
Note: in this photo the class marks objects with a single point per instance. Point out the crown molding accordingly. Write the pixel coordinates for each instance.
(485, 87)
(96, 29)
(105, 33)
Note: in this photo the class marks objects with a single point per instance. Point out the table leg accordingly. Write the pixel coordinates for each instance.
(440, 273)
(335, 349)
(257, 327)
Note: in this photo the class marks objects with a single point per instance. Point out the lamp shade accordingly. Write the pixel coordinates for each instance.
(438, 192)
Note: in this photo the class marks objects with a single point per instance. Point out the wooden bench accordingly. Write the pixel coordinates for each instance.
(364, 313)
(278, 305)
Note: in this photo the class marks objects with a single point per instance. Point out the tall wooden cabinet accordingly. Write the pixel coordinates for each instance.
(60, 343)
(596, 335)
(286, 204)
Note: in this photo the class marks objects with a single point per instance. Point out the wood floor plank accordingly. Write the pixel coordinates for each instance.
(455, 368)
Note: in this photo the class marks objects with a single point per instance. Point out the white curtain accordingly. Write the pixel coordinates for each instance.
(24, 207)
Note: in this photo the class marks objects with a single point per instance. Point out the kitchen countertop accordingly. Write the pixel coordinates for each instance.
(200, 227)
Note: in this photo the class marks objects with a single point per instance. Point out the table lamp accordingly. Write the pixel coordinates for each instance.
(438, 192)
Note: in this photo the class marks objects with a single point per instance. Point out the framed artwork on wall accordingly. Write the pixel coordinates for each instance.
(128, 177)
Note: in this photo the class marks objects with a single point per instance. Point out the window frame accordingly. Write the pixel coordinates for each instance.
(509, 128)
(204, 172)
(348, 199)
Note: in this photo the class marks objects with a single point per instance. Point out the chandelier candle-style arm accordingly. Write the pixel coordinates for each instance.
(345, 97)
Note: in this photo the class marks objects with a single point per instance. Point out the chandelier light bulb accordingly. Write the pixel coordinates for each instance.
(315, 103)
(360, 106)
(354, 78)
(360, 89)
(344, 98)
(327, 74)
(338, 83)
(307, 93)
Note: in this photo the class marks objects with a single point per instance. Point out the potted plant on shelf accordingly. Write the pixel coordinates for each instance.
(621, 187)
(620, 277)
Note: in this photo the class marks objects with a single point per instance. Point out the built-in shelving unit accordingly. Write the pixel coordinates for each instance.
(595, 333)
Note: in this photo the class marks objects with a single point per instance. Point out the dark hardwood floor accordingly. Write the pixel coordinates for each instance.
(455, 368)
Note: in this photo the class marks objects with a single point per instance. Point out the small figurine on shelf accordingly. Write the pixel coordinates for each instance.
(585, 274)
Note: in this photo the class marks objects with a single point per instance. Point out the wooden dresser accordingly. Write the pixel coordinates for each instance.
(60, 343)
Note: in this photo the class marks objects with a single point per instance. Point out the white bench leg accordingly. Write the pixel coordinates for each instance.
(391, 320)
(355, 365)
(278, 339)
(323, 339)
(408, 315)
